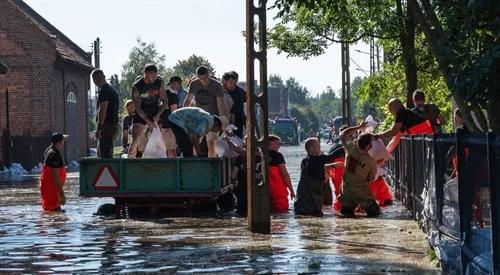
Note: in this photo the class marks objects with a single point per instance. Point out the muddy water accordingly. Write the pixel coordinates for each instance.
(79, 242)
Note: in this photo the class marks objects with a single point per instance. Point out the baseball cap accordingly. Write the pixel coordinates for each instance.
(56, 137)
(175, 78)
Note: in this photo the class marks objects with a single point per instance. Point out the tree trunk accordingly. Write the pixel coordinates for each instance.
(441, 49)
(494, 97)
(407, 40)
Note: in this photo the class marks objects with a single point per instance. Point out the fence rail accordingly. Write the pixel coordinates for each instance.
(450, 183)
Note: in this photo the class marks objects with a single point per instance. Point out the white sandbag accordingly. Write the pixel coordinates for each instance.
(370, 122)
(155, 148)
(378, 151)
(380, 172)
(223, 149)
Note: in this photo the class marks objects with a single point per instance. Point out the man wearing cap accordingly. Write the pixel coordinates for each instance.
(53, 175)
(175, 84)
(107, 115)
(190, 124)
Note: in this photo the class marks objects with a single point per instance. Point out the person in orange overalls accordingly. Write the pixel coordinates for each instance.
(406, 122)
(53, 175)
(335, 170)
(279, 179)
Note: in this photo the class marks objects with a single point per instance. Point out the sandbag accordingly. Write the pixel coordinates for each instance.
(379, 151)
(155, 148)
(223, 149)
(371, 124)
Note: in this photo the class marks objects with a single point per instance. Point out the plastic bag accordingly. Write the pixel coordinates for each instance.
(378, 151)
(223, 149)
(370, 125)
(155, 148)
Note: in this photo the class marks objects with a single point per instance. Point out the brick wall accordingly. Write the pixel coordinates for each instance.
(35, 78)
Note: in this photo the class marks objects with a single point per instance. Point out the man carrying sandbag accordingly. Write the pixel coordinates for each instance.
(190, 124)
(406, 122)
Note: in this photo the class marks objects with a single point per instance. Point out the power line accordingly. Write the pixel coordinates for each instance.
(357, 65)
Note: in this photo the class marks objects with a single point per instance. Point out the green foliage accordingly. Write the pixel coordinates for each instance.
(275, 81)
(308, 27)
(297, 94)
(389, 83)
(91, 113)
(306, 117)
(186, 68)
(327, 106)
(141, 54)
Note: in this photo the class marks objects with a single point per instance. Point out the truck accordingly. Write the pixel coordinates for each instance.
(287, 129)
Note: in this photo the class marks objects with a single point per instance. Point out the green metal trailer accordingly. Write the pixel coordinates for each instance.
(154, 182)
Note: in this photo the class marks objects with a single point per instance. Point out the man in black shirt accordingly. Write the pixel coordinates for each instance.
(406, 121)
(238, 95)
(314, 188)
(127, 125)
(150, 101)
(428, 111)
(168, 135)
(107, 115)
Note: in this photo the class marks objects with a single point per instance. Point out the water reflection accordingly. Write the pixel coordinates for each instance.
(76, 241)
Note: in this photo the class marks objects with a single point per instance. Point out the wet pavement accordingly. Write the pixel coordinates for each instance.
(77, 241)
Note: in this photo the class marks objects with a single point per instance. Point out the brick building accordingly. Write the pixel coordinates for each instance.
(46, 87)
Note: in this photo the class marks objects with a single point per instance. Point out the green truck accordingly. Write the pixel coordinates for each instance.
(287, 129)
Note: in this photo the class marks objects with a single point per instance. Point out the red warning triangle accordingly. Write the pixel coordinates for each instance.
(106, 178)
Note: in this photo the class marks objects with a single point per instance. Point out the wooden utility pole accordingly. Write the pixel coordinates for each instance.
(259, 203)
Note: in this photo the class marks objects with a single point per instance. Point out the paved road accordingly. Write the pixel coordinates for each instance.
(79, 242)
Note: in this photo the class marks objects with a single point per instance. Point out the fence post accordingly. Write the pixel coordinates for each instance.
(411, 183)
(438, 178)
(494, 168)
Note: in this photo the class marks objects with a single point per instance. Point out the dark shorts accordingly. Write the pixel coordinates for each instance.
(150, 113)
(164, 122)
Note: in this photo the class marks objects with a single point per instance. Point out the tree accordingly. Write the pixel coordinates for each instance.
(187, 68)
(327, 106)
(306, 117)
(141, 54)
(308, 27)
(296, 93)
(275, 81)
(461, 35)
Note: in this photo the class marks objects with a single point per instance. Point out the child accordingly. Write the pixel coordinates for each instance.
(53, 175)
(279, 180)
(313, 185)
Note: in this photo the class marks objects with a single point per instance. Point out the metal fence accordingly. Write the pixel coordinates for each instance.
(450, 183)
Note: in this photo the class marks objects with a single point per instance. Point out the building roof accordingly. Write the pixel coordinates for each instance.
(3, 68)
(66, 49)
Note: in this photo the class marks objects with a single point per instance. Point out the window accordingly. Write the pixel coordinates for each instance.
(71, 97)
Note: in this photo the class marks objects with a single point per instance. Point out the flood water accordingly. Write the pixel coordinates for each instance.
(76, 241)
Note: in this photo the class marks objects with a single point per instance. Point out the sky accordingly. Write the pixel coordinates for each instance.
(180, 28)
